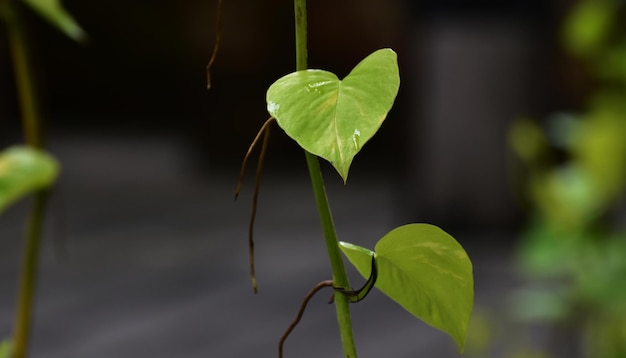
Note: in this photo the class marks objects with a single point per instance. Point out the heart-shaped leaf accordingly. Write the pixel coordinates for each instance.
(55, 13)
(23, 170)
(426, 271)
(334, 118)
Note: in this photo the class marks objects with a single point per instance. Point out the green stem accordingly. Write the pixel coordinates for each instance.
(340, 277)
(34, 138)
(18, 45)
(301, 35)
(28, 276)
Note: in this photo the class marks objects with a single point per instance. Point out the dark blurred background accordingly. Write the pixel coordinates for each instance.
(150, 160)
(467, 67)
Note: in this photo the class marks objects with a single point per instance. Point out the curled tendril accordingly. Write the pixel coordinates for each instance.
(357, 295)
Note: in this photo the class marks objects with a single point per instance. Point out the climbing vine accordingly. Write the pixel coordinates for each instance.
(419, 266)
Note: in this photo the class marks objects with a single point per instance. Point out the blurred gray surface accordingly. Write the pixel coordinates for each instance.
(474, 77)
(156, 261)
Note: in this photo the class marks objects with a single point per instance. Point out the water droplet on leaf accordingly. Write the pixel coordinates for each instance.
(356, 136)
(272, 107)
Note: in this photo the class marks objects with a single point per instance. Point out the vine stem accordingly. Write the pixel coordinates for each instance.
(28, 276)
(340, 277)
(33, 137)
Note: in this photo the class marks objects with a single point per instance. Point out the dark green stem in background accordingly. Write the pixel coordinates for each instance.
(34, 138)
(22, 69)
(28, 276)
(334, 253)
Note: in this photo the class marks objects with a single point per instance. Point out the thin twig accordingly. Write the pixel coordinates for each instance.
(319, 286)
(216, 46)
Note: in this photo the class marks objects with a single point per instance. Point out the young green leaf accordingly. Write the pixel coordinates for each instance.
(334, 118)
(23, 170)
(427, 272)
(55, 13)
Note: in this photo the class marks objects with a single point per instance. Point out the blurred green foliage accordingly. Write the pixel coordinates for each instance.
(24, 170)
(594, 31)
(5, 349)
(53, 12)
(28, 169)
(574, 248)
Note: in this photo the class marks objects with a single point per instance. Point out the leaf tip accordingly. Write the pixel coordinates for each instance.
(342, 169)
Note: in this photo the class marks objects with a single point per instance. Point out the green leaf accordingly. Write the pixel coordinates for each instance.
(334, 118)
(23, 170)
(427, 272)
(5, 349)
(55, 13)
